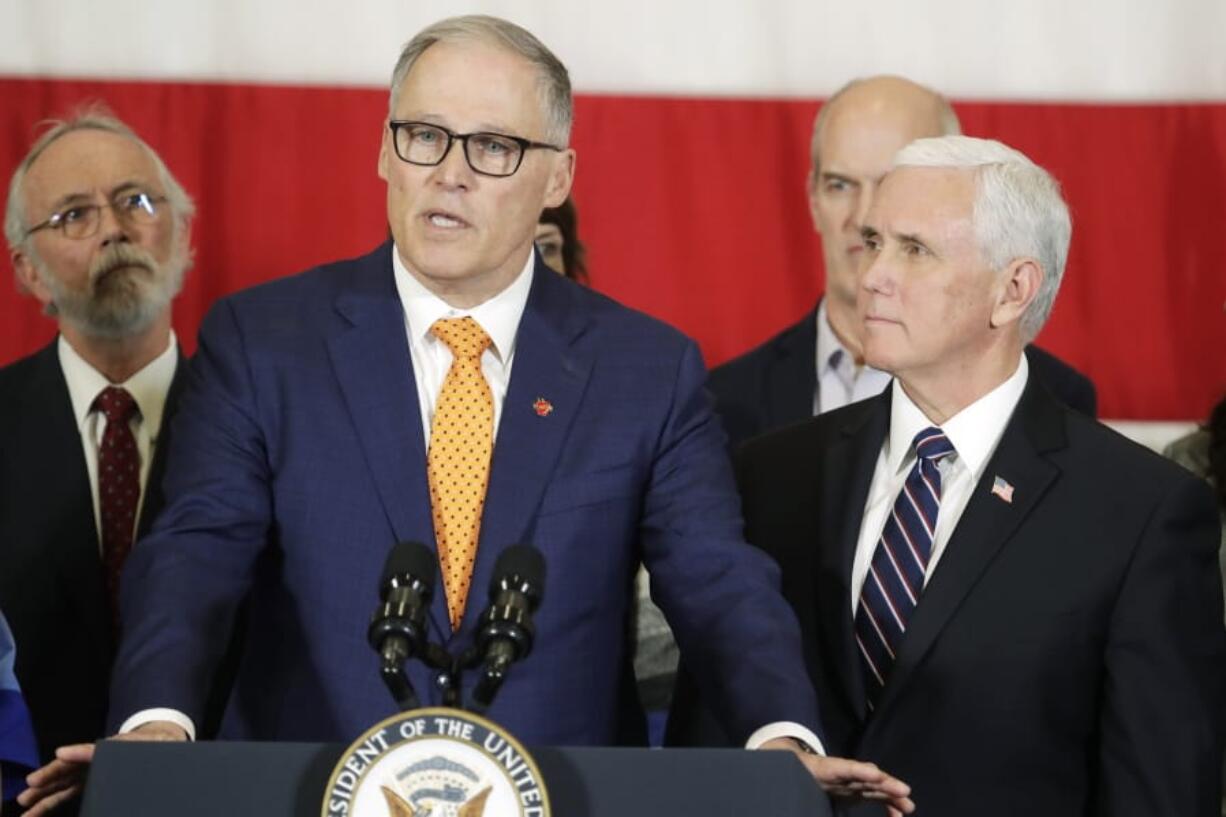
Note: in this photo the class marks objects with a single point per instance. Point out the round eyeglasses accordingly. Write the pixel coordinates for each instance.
(82, 220)
(490, 154)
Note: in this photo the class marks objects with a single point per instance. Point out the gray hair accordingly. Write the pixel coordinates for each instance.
(1018, 210)
(554, 81)
(92, 118)
(947, 118)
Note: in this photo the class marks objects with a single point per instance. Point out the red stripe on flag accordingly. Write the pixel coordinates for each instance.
(694, 210)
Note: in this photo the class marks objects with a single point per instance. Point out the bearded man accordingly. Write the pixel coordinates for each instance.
(99, 233)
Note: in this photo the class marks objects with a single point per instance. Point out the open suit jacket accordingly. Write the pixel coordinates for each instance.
(299, 460)
(1067, 656)
(51, 580)
(772, 385)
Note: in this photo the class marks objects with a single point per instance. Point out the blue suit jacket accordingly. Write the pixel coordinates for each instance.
(18, 752)
(298, 460)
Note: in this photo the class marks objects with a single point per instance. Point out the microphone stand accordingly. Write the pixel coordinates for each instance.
(391, 670)
(491, 681)
(448, 678)
(506, 635)
(398, 632)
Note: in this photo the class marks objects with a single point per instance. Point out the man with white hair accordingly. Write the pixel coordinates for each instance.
(99, 234)
(1006, 603)
(817, 364)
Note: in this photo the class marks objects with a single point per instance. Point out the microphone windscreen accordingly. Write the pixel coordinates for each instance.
(409, 559)
(523, 561)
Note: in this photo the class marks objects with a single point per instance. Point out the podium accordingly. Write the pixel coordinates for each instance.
(288, 780)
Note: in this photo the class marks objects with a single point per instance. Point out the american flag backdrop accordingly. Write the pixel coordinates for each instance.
(692, 128)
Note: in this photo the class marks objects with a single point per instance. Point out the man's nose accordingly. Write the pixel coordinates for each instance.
(864, 200)
(874, 273)
(453, 170)
(111, 227)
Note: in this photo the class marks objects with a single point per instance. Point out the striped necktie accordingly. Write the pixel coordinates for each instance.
(895, 577)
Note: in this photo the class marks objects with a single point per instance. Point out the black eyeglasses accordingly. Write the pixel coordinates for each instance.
(81, 220)
(490, 154)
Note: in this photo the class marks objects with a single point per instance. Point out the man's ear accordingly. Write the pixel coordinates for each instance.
(1020, 283)
(561, 177)
(384, 153)
(184, 238)
(29, 278)
(811, 185)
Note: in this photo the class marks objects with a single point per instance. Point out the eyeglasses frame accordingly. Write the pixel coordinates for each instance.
(56, 220)
(524, 146)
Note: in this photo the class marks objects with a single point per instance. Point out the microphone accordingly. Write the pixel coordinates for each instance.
(398, 628)
(506, 632)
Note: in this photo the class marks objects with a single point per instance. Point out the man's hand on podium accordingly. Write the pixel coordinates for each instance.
(851, 779)
(63, 778)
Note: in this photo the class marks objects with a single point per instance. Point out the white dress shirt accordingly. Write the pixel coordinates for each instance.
(148, 388)
(974, 432)
(839, 380)
(499, 317)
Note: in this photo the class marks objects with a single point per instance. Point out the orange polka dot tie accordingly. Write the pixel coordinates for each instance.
(458, 462)
(118, 485)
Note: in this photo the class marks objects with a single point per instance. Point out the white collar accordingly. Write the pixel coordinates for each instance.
(148, 386)
(974, 431)
(827, 342)
(499, 316)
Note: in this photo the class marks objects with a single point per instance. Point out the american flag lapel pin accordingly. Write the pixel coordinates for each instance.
(542, 407)
(1003, 489)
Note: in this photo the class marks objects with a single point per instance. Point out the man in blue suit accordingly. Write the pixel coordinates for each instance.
(308, 440)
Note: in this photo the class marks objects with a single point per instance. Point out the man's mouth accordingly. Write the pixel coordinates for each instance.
(107, 271)
(444, 220)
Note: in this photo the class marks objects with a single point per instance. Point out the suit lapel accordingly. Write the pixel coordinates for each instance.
(371, 361)
(793, 378)
(74, 544)
(986, 524)
(154, 499)
(847, 473)
(546, 367)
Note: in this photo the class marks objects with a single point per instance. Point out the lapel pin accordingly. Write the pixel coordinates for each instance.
(1003, 489)
(542, 407)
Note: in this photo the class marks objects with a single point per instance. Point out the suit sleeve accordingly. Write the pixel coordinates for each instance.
(1164, 692)
(737, 635)
(183, 583)
(18, 752)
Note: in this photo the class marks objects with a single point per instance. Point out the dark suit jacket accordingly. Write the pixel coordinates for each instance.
(299, 460)
(772, 385)
(51, 581)
(1067, 656)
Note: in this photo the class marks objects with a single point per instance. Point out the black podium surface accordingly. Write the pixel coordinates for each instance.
(288, 779)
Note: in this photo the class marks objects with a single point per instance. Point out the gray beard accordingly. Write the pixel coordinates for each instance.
(123, 303)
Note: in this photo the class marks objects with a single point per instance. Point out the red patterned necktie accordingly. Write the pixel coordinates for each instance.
(118, 485)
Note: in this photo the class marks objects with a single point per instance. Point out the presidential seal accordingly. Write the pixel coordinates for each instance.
(435, 763)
